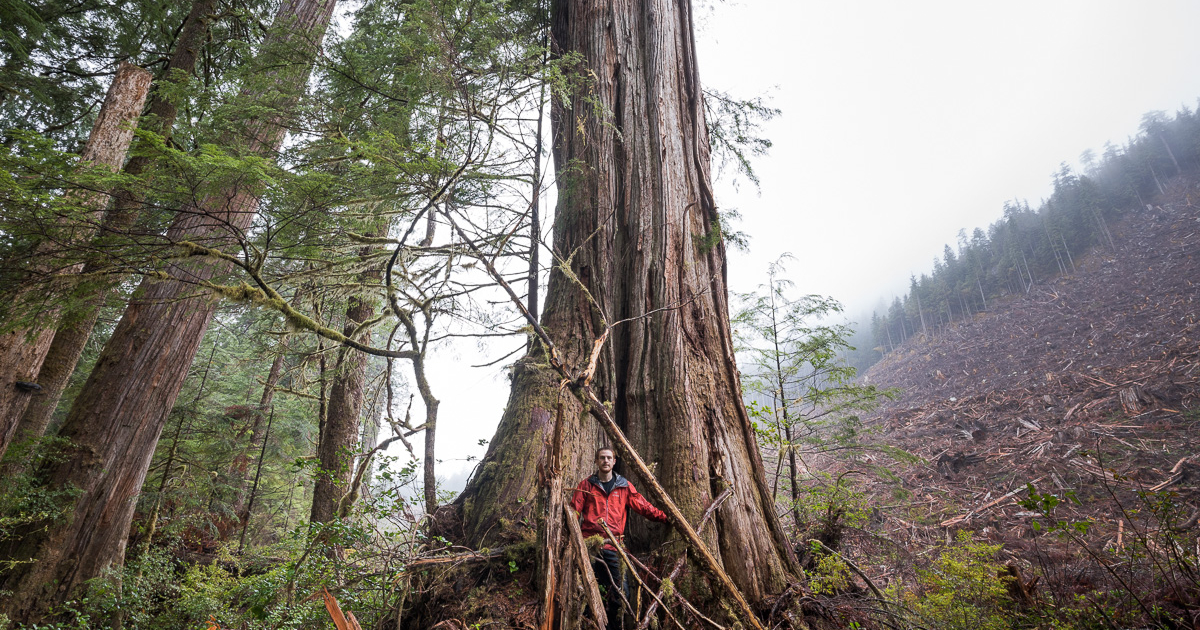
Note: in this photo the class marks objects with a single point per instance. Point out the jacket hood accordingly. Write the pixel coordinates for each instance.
(621, 482)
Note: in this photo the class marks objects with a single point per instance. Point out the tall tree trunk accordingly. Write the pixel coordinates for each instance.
(115, 422)
(637, 218)
(23, 350)
(1157, 181)
(535, 215)
(793, 477)
(1067, 249)
(431, 403)
(921, 313)
(338, 443)
(72, 335)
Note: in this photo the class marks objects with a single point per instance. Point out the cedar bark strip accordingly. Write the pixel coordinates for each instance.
(22, 351)
(636, 219)
(115, 422)
(550, 536)
(584, 562)
(72, 335)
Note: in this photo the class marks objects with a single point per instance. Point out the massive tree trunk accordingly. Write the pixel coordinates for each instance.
(637, 219)
(115, 422)
(72, 335)
(23, 350)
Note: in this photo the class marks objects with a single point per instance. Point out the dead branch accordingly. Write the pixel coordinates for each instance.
(591, 588)
(966, 517)
(629, 562)
(624, 448)
(468, 556)
(678, 568)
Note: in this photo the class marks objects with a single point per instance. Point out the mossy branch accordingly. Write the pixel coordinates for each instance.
(264, 295)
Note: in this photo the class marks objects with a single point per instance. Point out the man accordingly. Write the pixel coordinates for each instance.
(605, 495)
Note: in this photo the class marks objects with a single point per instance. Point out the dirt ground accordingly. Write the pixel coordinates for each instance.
(1089, 386)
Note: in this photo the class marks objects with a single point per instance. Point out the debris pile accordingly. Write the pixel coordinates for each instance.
(1087, 386)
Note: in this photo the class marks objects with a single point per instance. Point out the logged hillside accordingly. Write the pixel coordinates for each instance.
(1088, 386)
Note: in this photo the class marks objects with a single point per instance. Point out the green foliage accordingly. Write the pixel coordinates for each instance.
(408, 115)
(804, 397)
(719, 232)
(25, 503)
(962, 589)
(830, 574)
(735, 131)
(1029, 245)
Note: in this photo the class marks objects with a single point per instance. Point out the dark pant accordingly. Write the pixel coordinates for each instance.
(608, 573)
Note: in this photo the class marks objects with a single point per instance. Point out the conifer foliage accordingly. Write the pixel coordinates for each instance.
(1030, 245)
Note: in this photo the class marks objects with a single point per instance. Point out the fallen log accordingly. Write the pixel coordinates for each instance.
(957, 520)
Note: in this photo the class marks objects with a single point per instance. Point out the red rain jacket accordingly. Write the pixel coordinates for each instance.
(592, 504)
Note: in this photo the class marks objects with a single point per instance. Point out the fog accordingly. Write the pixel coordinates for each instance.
(905, 122)
(901, 124)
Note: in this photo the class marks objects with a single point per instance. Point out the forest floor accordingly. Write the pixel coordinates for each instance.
(1088, 388)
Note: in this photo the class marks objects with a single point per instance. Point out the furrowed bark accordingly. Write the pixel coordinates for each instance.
(72, 334)
(678, 568)
(637, 225)
(22, 351)
(114, 424)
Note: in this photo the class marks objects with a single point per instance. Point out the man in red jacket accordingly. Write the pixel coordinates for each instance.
(605, 495)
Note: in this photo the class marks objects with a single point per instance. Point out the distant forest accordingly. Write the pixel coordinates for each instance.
(1030, 245)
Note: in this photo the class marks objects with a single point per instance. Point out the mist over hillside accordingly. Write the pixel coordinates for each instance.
(1028, 244)
(1081, 386)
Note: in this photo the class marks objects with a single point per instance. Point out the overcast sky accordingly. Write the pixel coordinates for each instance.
(902, 122)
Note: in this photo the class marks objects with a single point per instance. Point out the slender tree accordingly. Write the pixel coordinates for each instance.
(794, 361)
(115, 422)
(338, 443)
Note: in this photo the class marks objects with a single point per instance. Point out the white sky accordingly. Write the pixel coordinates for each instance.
(902, 122)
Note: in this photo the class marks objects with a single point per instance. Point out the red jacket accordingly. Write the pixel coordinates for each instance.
(592, 504)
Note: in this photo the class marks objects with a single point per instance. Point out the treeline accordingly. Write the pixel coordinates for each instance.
(1029, 245)
(208, 325)
(233, 236)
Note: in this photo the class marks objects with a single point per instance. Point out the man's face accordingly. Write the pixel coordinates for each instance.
(605, 461)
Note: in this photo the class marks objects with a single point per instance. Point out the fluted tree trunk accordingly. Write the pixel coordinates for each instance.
(72, 335)
(115, 422)
(637, 221)
(23, 350)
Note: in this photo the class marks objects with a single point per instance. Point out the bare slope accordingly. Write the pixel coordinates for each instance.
(1090, 384)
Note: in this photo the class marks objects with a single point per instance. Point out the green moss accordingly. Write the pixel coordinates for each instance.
(523, 553)
(594, 544)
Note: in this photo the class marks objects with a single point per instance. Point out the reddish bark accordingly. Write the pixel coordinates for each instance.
(637, 216)
(115, 422)
(72, 335)
(23, 350)
(338, 444)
